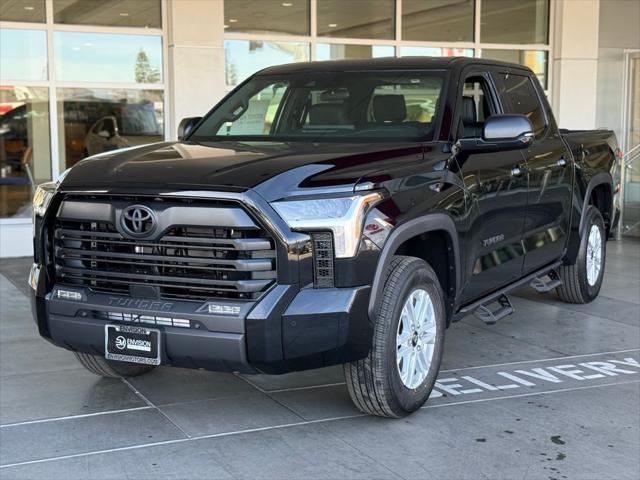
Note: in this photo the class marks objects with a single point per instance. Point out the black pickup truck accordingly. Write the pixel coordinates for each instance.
(326, 213)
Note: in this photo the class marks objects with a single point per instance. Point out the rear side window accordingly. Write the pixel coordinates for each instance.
(518, 95)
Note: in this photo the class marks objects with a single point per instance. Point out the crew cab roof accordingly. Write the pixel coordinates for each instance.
(387, 63)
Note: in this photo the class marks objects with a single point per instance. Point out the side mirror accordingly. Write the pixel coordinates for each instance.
(104, 134)
(501, 132)
(186, 125)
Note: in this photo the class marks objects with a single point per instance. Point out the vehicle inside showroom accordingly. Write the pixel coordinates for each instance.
(248, 229)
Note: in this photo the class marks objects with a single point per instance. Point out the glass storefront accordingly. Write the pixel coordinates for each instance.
(338, 51)
(23, 54)
(356, 19)
(245, 57)
(262, 33)
(25, 151)
(411, 51)
(514, 21)
(437, 21)
(79, 77)
(19, 11)
(94, 120)
(97, 57)
(267, 17)
(103, 89)
(121, 13)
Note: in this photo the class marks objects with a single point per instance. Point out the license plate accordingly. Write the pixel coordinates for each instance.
(132, 344)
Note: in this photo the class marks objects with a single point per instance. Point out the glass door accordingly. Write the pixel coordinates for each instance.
(631, 144)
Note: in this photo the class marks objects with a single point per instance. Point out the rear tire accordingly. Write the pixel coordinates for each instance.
(111, 368)
(581, 281)
(400, 371)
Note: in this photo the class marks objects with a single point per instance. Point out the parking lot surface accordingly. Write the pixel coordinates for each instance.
(551, 392)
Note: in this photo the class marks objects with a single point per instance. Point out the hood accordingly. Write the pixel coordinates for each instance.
(275, 170)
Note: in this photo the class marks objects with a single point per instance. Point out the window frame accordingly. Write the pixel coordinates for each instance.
(526, 74)
(494, 97)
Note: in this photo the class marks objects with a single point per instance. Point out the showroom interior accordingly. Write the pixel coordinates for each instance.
(550, 392)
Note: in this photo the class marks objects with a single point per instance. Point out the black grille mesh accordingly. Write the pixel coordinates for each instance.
(323, 260)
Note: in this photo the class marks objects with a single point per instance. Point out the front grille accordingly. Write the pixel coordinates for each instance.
(323, 276)
(185, 262)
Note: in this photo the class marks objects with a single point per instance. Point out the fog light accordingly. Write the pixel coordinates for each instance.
(69, 295)
(223, 309)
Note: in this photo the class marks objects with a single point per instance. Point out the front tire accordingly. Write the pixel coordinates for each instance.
(111, 368)
(581, 281)
(400, 371)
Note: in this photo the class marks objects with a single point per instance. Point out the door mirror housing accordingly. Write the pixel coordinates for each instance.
(186, 125)
(500, 132)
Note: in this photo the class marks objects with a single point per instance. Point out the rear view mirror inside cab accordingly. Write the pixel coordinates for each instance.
(237, 111)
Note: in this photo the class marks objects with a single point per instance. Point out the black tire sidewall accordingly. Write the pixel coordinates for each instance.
(419, 275)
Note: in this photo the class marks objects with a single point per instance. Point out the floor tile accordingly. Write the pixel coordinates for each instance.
(246, 411)
(166, 385)
(60, 394)
(52, 439)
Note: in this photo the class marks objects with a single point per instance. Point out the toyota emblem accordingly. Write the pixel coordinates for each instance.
(138, 220)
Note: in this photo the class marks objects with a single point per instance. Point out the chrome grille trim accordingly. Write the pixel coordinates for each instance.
(184, 262)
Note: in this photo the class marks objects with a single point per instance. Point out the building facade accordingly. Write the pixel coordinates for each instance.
(79, 77)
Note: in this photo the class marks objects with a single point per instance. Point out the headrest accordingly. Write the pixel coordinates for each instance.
(326, 114)
(468, 114)
(389, 108)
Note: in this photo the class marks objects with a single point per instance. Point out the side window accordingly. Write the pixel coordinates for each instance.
(475, 107)
(257, 116)
(518, 95)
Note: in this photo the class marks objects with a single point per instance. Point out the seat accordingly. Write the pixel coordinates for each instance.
(327, 114)
(469, 117)
(389, 108)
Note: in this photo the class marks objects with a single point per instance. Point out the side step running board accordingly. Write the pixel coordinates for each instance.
(489, 316)
(498, 294)
(546, 283)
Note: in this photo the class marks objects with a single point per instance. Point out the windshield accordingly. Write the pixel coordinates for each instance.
(351, 106)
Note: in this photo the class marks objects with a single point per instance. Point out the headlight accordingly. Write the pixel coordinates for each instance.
(42, 198)
(44, 194)
(342, 216)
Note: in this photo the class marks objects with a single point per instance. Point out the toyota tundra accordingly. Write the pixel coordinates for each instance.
(326, 213)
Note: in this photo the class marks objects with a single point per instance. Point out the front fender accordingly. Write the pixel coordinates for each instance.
(402, 233)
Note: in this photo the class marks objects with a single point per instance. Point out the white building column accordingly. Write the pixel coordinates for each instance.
(575, 62)
(195, 31)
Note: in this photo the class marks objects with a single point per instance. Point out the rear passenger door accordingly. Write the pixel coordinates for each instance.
(496, 197)
(550, 170)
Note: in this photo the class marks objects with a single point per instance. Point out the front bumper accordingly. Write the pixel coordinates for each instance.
(287, 329)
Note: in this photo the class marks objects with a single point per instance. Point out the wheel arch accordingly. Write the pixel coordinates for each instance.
(600, 182)
(408, 239)
(599, 193)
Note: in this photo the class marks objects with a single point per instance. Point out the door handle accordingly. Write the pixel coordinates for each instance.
(562, 162)
(517, 171)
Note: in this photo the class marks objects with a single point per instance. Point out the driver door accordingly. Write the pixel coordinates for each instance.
(496, 196)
